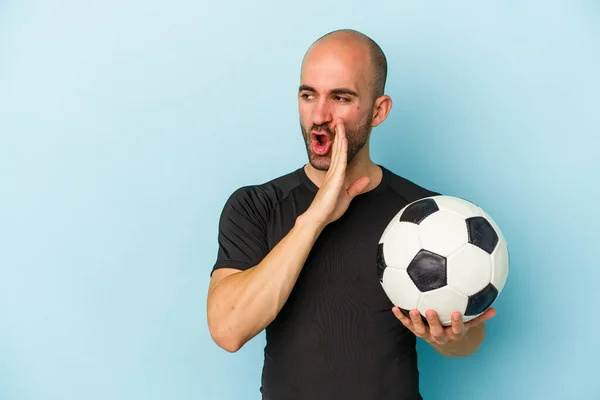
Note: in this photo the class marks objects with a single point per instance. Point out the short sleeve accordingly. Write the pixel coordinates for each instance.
(242, 235)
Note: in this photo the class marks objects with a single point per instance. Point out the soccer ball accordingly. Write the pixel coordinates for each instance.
(442, 253)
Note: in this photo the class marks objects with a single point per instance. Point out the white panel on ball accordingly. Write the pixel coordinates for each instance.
(469, 269)
(500, 257)
(444, 301)
(443, 232)
(500, 265)
(392, 222)
(400, 289)
(458, 206)
(401, 244)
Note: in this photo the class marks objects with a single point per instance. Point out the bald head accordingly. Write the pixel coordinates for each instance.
(365, 47)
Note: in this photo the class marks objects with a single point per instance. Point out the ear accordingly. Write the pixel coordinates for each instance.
(381, 109)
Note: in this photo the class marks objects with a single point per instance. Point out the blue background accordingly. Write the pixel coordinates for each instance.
(124, 128)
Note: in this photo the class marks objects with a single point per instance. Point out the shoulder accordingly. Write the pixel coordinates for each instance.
(259, 198)
(407, 188)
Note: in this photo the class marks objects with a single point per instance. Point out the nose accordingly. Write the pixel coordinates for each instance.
(321, 113)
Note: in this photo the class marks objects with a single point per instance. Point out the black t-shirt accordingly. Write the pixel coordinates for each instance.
(336, 337)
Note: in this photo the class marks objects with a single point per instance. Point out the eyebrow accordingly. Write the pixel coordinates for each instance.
(333, 91)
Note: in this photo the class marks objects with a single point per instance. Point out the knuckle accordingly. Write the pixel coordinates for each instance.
(439, 338)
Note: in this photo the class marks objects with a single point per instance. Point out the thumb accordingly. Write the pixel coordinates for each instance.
(357, 186)
(487, 315)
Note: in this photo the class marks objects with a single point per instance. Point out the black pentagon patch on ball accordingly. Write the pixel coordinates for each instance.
(381, 265)
(482, 234)
(428, 271)
(482, 300)
(418, 211)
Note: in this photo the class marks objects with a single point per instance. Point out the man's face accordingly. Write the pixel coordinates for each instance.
(335, 83)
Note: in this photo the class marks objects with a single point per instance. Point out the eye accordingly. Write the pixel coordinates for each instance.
(306, 96)
(342, 99)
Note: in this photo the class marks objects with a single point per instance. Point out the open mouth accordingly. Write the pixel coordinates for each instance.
(321, 143)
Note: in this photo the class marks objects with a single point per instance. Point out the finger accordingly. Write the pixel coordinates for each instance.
(436, 330)
(458, 327)
(343, 144)
(419, 328)
(402, 317)
(334, 155)
(343, 153)
(487, 315)
(358, 186)
(340, 130)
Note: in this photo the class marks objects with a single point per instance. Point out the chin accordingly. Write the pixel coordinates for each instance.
(319, 163)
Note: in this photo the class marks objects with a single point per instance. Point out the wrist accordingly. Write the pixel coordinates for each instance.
(309, 221)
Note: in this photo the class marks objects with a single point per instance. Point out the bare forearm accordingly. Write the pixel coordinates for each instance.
(465, 347)
(244, 303)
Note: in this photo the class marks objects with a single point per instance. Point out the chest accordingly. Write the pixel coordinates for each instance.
(342, 262)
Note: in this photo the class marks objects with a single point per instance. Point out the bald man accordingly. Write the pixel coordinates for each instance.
(296, 255)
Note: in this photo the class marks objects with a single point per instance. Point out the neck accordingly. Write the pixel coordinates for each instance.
(360, 166)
